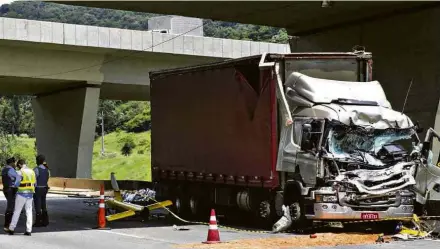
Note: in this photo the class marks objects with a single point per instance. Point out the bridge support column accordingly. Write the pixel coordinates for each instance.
(65, 127)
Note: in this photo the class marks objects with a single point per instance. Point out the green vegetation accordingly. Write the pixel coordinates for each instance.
(127, 123)
(133, 167)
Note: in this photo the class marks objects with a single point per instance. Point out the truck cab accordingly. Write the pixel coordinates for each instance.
(345, 154)
(349, 149)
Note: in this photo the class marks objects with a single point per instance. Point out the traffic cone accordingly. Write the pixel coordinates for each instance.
(101, 211)
(213, 234)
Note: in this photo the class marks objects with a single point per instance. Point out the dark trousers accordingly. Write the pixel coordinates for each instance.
(40, 199)
(10, 199)
(10, 194)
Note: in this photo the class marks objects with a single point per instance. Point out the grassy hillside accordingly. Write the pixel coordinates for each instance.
(133, 167)
(136, 166)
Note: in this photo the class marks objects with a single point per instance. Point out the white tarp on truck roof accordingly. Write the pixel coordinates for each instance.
(323, 91)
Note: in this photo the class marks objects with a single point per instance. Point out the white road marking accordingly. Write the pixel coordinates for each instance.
(134, 236)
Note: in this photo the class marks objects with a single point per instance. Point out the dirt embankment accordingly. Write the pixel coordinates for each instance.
(322, 239)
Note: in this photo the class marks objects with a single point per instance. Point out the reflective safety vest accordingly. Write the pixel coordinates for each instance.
(27, 184)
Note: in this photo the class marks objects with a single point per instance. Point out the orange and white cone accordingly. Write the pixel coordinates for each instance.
(213, 233)
(101, 210)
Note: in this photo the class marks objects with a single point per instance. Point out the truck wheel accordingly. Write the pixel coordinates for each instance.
(266, 215)
(265, 210)
(300, 223)
(181, 206)
(295, 211)
(195, 206)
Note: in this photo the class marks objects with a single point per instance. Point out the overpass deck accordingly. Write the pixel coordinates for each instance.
(136, 40)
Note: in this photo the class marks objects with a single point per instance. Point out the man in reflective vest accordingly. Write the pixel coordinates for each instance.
(9, 190)
(42, 174)
(25, 192)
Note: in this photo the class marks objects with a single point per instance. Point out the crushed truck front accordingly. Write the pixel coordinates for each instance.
(345, 151)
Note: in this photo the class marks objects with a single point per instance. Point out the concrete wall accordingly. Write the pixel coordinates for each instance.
(65, 128)
(181, 24)
(160, 22)
(404, 47)
(177, 25)
(92, 36)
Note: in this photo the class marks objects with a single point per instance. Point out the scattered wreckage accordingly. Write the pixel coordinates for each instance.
(124, 204)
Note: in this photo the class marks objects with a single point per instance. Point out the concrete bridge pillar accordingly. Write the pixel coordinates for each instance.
(405, 47)
(65, 127)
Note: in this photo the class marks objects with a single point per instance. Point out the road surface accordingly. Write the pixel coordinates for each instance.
(71, 223)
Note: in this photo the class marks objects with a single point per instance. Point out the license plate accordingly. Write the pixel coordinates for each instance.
(369, 216)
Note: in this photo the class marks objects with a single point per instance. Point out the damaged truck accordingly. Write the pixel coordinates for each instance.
(307, 135)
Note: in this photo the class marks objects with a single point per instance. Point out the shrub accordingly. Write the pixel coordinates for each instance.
(127, 149)
(140, 152)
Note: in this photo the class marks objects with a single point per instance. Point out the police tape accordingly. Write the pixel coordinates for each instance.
(207, 224)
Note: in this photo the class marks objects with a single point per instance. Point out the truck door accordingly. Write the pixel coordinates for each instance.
(300, 143)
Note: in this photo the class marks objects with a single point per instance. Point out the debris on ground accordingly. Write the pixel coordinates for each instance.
(322, 239)
(179, 228)
(380, 239)
(140, 195)
(284, 223)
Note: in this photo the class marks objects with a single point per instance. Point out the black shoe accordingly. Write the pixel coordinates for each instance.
(27, 233)
(38, 220)
(8, 219)
(10, 232)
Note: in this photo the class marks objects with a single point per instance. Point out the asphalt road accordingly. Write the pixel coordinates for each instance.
(72, 222)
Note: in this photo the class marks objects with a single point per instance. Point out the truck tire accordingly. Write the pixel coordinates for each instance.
(296, 203)
(180, 203)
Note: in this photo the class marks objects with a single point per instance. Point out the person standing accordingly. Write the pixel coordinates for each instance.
(42, 174)
(25, 182)
(9, 190)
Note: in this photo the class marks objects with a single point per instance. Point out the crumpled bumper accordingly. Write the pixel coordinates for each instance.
(334, 211)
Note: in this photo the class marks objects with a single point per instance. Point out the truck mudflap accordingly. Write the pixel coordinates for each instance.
(331, 211)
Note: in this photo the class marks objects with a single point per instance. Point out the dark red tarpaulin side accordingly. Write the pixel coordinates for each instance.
(215, 121)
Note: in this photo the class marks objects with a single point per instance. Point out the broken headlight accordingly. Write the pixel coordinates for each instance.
(326, 198)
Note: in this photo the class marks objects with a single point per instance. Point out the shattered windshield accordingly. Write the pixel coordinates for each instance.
(345, 140)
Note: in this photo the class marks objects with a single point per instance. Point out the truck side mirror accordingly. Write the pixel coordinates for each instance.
(307, 128)
(305, 138)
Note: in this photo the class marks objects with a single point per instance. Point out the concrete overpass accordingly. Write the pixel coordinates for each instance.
(403, 37)
(69, 67)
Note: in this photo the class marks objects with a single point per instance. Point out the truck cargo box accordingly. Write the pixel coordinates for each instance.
(218, 122)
